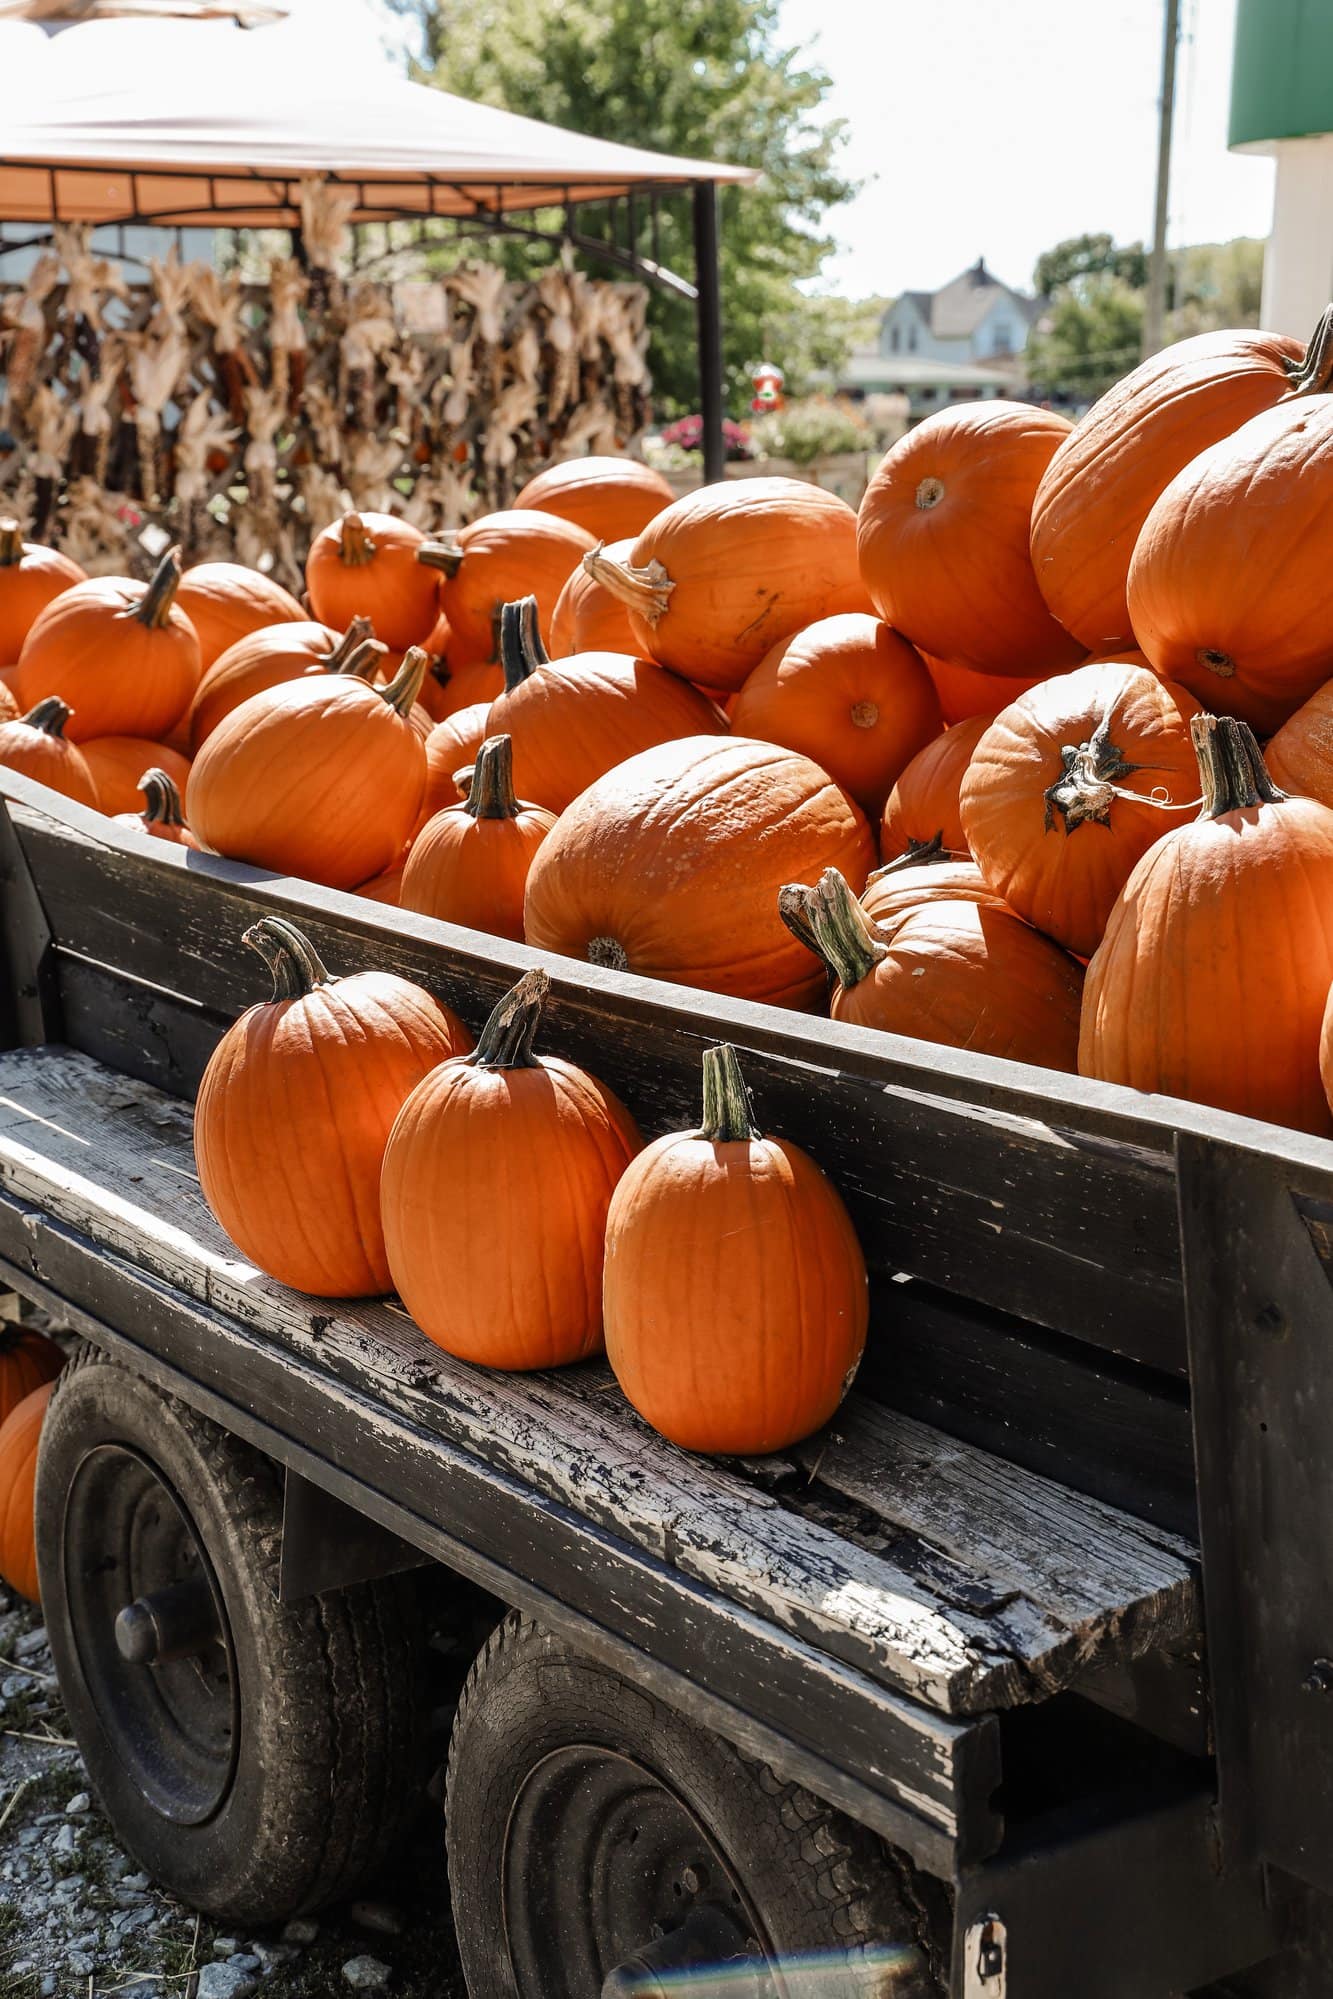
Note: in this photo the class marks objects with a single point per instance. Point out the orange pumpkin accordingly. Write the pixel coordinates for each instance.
(587, 618)
(27, 1360)
(20, 1434)
(1326, 1051)
(477, 683)
(162, 817)
(735, 1290)
(669, 866)
(378, 567)
(37, 747)
(296, 1106)
(1300, 755)
(1229, 589)
(942, 538)
(469, 864)
(118, 762)
(1067, 788)
(225, 601)
(923, 805)
(849, 694)
(717, 578)
(319, 777)
(385, 888)
(122, 654)
(964, 693)
(966, 974)
(494, 561)
(30, 577)
(923, 874)
(1211, 980)
(607, 497)
(266, 659)
(1101, 484)
(9, 707)
(573, 720)
(451, 746)
(497, 1178)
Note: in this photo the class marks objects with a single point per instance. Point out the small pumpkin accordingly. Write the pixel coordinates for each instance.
(122, 654)
(20, 1435)
(163, 817)
(30, 577)
(587, 618)
(926, 873)
(378, 567)
(469, 864)
(497, 1178)
(267, 658)
(296, 1106)
(496, 560)
(27, 1360)
(607, 497)
(451, 746)
(36, 746)
(1211, 980)
(735, 1290)
(573, 720)
(717, 578)
(669, 866)
(225, 601)
(118, 762)
(1300, 756)
(965, 974)
(923, 805)
(963, 692)
(320, 777)
(477, 683)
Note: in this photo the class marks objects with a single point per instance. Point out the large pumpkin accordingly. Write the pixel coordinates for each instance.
(715, 580)
(469, 864)
(573, 720)
(121, 653)
(319, 777)
(20, 1435)
(964, 973)
(225, 601)
(493, 562)
(1070, 785)
(266, 659)
(1300, 756)
(30, 576)
(923, 805)
(1230, 588)
(1099, 487)
(607, 497)
(942, 538)
(378, 567)
(163, 816)
(1211, 980)
(296, 1106)
(587, 618)
(27, 1360)
(735, 1288)
(118, 762)
(925, 873)
(36, 746)
(670, 865)
(963, 692)
(497, 1178)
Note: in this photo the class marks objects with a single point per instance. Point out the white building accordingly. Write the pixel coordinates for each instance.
(963, 342)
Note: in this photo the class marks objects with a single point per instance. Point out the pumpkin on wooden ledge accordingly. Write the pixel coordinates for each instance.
(118, 762)
(28, 1359)
(469, 864)
(30, 577)
(36, 746)
(296, 1106)
(163, 816)
(20, 1435)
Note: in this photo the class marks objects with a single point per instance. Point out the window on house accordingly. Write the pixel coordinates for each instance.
(895, 340)
(1002, 338)
(911, 340)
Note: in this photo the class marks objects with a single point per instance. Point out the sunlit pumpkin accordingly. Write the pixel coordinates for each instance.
(492, 562)
(122, 654)
(30, 576)
(1300, 756)
(923, 805)
(469, 864)
(225, 601)
(118, 762)
(925, 873)
(963, 692)
(587, 618)
(267, 658)
(20, 1434)
(607, 497)
(476, 684)
(451, 746)
(163, 816)
(27, 1360)
(37, 746)
(378, 567)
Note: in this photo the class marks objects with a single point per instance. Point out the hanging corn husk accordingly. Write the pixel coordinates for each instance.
(203, 436)
(369, 333)
(288, 286)
(97, 528)
(26, 332)
(220, 304)
(90, 281)
(95, 418)
(53, 424)
(325, 214)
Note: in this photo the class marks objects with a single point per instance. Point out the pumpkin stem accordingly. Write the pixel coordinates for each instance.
(361, 661)
(491, 787)
(920, 854)
(293, 960)
(521, 648)
(728, 1113)
(446, 554)
(506, 1040)
(50, 716)
(356, 545)
(162, 801)
(154, 607)
(1235, 777)
(1089, 773)
(646, 591)
(405, 686)
(11, 543)
(830, 921)
(1313, 376)
(356, 635)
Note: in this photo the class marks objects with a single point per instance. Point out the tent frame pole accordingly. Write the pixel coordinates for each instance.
(708, 310)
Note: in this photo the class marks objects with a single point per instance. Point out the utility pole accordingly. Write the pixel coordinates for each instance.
(1154, 317)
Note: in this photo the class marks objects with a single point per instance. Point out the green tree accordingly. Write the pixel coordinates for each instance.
(1088, 339)
(709, 79)
(1078, 259)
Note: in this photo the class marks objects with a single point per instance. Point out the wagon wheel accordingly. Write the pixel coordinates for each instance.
(257, 1758)
(599, 1844)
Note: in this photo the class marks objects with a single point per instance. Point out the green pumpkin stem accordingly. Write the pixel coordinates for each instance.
(728, 1116)
(446, 555)
(50, 716)
(154, 607)
(356, 635)
(162, 801)
(1231, 767)
(490, 793)
(920, 854)
(830, 921)
(507, 1038)
(1313, 376)
(11, 543)
(356, 544)
(520, 643)
(362, 662)
(293, 960)
(405, 686)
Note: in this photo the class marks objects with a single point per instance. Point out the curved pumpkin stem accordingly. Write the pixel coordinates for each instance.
(293, 960)
(830, 921)
(356, 544)
(50, 716)
(506, 1040)
(446, 555)
(361, 662)
(162, 801)
(490, 793)
(1235, 776)
(920, 854)
(11, 543)
(1313, 376)
(728, 1114)
(645, 591)
(521, 648)
(405, 686)
(356, 635)
(154, 607)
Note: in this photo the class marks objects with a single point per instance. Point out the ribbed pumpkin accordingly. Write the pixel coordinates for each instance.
(735, 1289)
(451, 746)
(942, 538)
(296, 1106)
(573, 720)
(669, 866)
(848, 693)
(497, 1178)
(478, 682)
(717, 578)
(923, 805)
(118, 762)
(607, 497)
(27, 1360)
(469, 864)
(385, 888)
(498, 559)
(1230, 588)
(378, 567)
(1211, 980)
(163, 817)
(30, 576)
(266, 659)
(587, 618)
(925, 873)
(963, 692)
(963, 973)
(1070, 785)
(1099, 487)
(20, 1435)
(320, 777)
(225, 601)
(36, 746)
(1300, 755)
(122, 654)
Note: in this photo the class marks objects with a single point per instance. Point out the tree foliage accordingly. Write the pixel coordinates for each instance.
(1079, 259)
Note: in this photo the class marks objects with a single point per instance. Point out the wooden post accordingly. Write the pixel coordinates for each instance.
(1154, 317)
(709, 310)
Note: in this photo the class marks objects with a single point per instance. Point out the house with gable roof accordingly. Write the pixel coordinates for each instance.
(964, 341)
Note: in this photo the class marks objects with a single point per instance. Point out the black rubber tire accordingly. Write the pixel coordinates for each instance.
(819, 1882)
(327, 1767)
